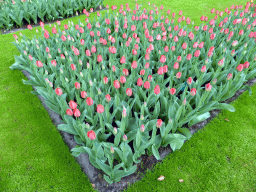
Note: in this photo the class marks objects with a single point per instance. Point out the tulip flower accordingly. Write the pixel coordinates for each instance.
(58, 91)
(116, 84)
(157, 89)
(193, 92)
(159, 123)
(129, 92)
(240, 67)
(208, 87)
(69, 112)
(108, 98)
(172, 91)
(91, 135)
(89, 101)
(77, 85)
(76, 113)
(39, 64)
(100, 108)
(72, 105)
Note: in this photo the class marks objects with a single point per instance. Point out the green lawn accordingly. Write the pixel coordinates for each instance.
(33, 156)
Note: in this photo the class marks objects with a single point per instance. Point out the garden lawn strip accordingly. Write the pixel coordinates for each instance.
(11, 84)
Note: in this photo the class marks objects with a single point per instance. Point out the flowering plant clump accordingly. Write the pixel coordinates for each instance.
(126, 85)
(15, 12)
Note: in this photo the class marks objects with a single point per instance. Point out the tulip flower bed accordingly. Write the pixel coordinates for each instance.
(17, 12)
(127, 85)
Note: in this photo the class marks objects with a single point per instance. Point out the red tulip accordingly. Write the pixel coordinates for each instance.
(69, 112)
(89, 101)
(172, 91)
(165, 68)
(76, 113)
(116, 84)
(197, 53)
(99, 58)
(125, 72)
(100, 108)
(142, 72)
(184, 45)
(146, 85)
(88, 53)
(193, 92)
(83, 94)
(72, 105)
(189, 56)
(176, 65)
(58, 91)
(77, 85)
(159, 123)
(129, 92)
(179, 58)
(91, 135)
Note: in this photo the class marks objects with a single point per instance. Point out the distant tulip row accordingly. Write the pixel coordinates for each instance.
(15, 12)
(138, 78)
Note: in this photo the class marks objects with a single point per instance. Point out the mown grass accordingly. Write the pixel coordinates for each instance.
(33, 156)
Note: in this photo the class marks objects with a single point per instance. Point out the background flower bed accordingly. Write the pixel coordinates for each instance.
(16, 13)
(100, 108)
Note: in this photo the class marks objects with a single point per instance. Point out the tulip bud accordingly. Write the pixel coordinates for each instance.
(142, 117)
(124, 138)
(214, 81)
(90, 82)
(112, 150)
(184, 102)
(66, 79)
(81, 74)
(50, 83)
(87, 125)
(124, 113)
(46, 72)
(115, 130)
(99, 91)
(142, 128)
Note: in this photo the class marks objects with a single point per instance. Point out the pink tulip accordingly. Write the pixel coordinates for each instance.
(72, 105)
(240, 67)
(189, 81)
(176, 65)
(122, 60)
(159, 123)
(184, 46)
(160, 71)
(77, 85)
(163, 59)
(89, 101)
(39, 64)
(193, 92)
(125, 72)
(58, 91)
(139, 82)
(53, 62)
(129, 92)
(69, 112)
(197, 53)
(157, 89)
(99, 58)
(172, 91)
(142, 72)
(208, 87)
(203, 69)
(54, 30)
(116, 84)
(134, 64)
(147, 85)
(88, 53)
(83, 94)
(76, 113)
(108, 98)
(100, 108)
(76, 51)
(73, 67)
(229, 76)
(165, 68)
(91, 135)
(105, 80)
(179, 58)
(122, 79)
(246, 64)
(178, 75)
(189, 56)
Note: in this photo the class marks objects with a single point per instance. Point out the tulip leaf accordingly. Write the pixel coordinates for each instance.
(175, 140)
(199, 118)
(103, 166)
(185, 131)
(155, 152)
(225, 106)
(156, 110)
